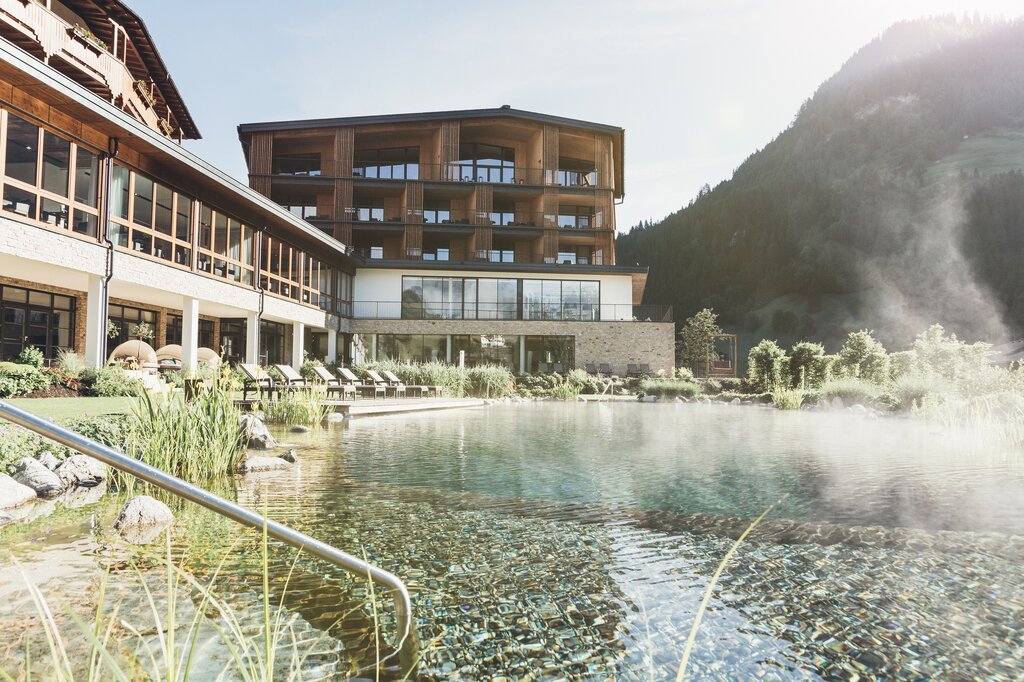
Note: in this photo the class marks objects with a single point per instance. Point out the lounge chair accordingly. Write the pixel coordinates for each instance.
(398, 389)
(559, 368)
(590, 367)
(645, 370)
(605, 368)
(292, 379)
(348, 376)
(632, 370)
(256, 379)
(419, 388)
(332, 383)
(542, 368)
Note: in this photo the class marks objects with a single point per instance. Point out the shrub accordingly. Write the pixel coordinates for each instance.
(788, 399)
(583, 382)
(807, 365)
(911, 389)
(16, 379)
(712, 387)
(110, 382)
(862, 357)
(670, 388)
(767, 365)
(565, 390)
(731, 384)
(490, 381)
(70, 363)
(853, 391)
(32, 356)
(307, 371)
(684, 373)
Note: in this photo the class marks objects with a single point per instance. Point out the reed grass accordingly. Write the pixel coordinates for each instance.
(298, 406)
(788, 399)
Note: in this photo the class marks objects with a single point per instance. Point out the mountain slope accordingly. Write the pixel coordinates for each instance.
(891, 202)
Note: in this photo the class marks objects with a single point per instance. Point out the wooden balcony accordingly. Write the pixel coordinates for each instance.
(76, 53)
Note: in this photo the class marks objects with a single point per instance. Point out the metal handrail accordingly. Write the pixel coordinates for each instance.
(408, 641)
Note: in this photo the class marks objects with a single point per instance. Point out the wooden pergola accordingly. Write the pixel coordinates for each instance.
(718, 363)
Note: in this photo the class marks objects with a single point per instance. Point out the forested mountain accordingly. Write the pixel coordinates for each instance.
(894, 200)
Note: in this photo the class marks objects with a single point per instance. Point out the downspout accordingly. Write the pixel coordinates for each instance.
(104, 216)
(257, 261)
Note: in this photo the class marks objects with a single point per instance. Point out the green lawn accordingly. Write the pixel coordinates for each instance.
(61, 408)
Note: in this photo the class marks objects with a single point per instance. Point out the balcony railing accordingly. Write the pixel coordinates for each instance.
(493, 256)
(32, 24)
(566, 312)
(295, 165)
(442, 217)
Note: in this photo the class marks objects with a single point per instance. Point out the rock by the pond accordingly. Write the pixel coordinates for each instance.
(252, 464)
(29, 471)
(335, 417)
(14, 494)
(858, 409)
(47, 459)
(142, 519)
(81, 471)
(289, 456)
(299, 428)
(257, 433)
(82, 496)
(735, 401)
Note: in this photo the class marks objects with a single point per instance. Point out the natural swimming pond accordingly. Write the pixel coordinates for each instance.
(551, 540)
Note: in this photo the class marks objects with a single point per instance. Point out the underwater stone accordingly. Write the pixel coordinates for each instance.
(142, 519)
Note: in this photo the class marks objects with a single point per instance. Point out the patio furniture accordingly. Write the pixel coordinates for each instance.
(604, 368)
(542, 368)
(256, 378)
(590, 367)
(292, 379)
(645, 370)
(559, 368)
(348, 376)
(423, 389)
(332, 383)
(632, 370)
(398, 389)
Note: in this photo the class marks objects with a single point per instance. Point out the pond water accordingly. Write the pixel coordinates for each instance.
(564, 540)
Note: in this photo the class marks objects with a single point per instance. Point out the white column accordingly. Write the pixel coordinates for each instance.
(189, 334)
(95, 324)
(448, 350)
(332, 345)
(522, 355)
(298, 343)
(252, 338)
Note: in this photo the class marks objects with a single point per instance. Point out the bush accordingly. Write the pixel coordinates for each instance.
(307, 371)
(788, 399)
(670, 388)
(807, 365)
(911, 389)
(31, 356)
(862, 357)
(767, 366)
(490, 381)
(584, 383)
(113, 430)
(684, 373)
(852, 391)
(111, 382)
(70, 363)
(19, 379)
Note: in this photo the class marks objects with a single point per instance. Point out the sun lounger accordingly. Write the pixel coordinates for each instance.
(605, 368)
(422, 389)
(645, 370)
(397, 389)
(542, 368)
(632, 370)
(590, 367)
(256, 379)
(559, 368)
(332, 383)
(348, 376)
(292, 379)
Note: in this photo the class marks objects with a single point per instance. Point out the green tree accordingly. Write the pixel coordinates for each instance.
(807, 367)
(767, 366)
(696, 340)
(863, 357)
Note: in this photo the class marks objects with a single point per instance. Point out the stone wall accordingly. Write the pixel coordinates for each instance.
(615, 343)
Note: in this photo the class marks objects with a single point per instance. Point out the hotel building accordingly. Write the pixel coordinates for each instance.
(485, 235)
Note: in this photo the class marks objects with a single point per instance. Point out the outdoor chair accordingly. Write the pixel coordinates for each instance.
(590, 367)
(332, 383)
(632, 370)
(605, 368)
(542, 368)
(398, 389)
(256, 379)
(422, 389)
(292, 379)
(645, 370)
(348, 376)
(559, 368)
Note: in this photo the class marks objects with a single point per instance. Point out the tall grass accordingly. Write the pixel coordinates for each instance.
(298, 406)
(670, 388)
(193, 439)
(852, 391)
(481, 381)
(788, 399)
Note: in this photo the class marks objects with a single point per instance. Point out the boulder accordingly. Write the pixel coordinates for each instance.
(81, 471)
(257, 433)
(252, 464)
(83, 496)
(299, 428)
(735, 401)
(47, 459)
(142, 519)
(29, 471)
(14, 494)
(289, 456)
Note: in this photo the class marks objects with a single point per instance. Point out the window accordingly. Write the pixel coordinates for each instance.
(504, 213)
(22, 150)
(398, 163)
(437, 211)
(296, 164)
(486, 163)
(174, 332)
(576, 173)
(35, 318)
(123, 318)
(576, 217)
(550, 353)
(56, 163)
(225, 246)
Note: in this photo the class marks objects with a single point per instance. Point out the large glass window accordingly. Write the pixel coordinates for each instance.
(486, 163)
(398, 163)
(22, 150)
(35, 318)
(296, 164)
(576, 217)
(550, 354)
(576, 172)
(87, 173)
(56, 163)
(123, 318)
(206, 335)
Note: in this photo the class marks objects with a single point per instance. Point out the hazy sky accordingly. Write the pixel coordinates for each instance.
(698, 86)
